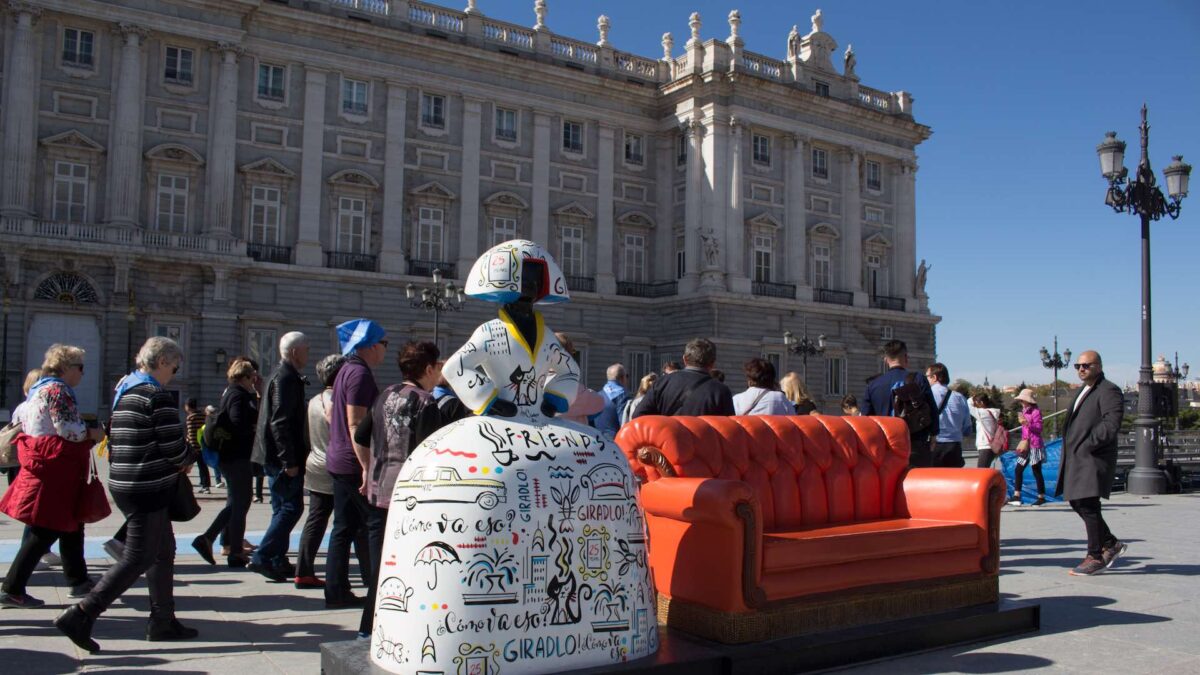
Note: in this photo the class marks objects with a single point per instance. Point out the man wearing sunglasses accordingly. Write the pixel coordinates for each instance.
(1089, 460)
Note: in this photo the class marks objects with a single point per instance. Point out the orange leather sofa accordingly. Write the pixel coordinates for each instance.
(761, 527)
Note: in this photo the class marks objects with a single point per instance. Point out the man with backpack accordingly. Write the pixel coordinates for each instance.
(900, 393)
(954, 418)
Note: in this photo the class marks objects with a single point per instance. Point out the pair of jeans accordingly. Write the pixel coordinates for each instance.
(1098, 535)
(231, 520)
(320, 507)
(376, 524)
(985, 459)
(350, 517)
(149, 550)
(948, 454)
(287, 505)
(36, 543)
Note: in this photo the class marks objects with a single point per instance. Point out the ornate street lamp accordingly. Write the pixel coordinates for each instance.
(804, 347)
(1142, 197)
(1056, 362)
(1178, 375)
(439, 298)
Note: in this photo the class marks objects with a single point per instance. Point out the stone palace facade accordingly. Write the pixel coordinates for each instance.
(224, 171)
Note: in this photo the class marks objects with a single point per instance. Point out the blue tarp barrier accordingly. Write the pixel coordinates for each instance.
(1008, 466)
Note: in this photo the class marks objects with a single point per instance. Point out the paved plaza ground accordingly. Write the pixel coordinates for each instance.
(1141, 617)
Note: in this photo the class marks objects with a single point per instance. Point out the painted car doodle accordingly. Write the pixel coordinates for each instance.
(442, 484)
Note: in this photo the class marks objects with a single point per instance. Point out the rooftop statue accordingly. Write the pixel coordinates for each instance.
(517, 541)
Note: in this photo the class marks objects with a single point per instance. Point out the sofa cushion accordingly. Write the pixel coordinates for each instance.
(848, 542)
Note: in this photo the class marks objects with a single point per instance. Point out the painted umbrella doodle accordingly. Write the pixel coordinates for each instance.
(436, 553)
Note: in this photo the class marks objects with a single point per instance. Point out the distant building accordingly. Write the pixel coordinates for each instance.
(225, 172)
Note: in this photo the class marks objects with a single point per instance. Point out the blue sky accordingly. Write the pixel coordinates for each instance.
(1010, 210)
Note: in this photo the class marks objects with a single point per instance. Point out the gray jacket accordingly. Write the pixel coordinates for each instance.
(1089, 454)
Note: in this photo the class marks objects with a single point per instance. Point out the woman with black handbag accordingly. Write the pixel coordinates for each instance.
(148, 457)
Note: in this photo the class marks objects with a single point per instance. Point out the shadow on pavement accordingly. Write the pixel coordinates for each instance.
(1063, 614)
(31, 662)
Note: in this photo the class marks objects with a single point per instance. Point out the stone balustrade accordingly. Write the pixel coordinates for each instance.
(574, 50)
(436, 17)
(508, 34)
(123, 235)
(380, 7)
(873, 98)
(763, 66)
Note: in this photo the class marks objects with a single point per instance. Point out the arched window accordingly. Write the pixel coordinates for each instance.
(68, 288)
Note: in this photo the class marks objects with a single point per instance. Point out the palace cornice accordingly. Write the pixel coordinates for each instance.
(159, 22)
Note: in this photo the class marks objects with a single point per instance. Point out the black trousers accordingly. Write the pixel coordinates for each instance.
(36, 543)
(320, 507)
(1019, 477)
(350, 516)
(149, 550)
(948, 455)
(205, 479)
(231, 520)
(376, 524)
(1098, 535)
(259, 477)
(985, 459)
(920, 455)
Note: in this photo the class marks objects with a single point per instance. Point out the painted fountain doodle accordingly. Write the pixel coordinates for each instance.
(516, 543)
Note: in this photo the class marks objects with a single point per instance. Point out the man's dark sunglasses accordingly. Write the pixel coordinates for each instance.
(1083, 366)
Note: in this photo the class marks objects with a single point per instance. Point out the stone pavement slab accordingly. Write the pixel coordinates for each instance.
(1143, 616)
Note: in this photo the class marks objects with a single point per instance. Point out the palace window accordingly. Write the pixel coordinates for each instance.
(681, 149)
(633, 149)
(431, 223)
(270, 81)
(172, 201)
(506, 125)
(264, 215)
(820, 163)
(764, 246)
(835, 376)
(874, 176)
(633, 257)
(177, 66)
(262, 345)
(78, 48)
(571, 253)
(433, 111)
(822, 266)
(70, 192)
(352, 225)
(821, 88)
(503, 229)
(762, 149)
(354, 96)
(874, 215)
(572, 137)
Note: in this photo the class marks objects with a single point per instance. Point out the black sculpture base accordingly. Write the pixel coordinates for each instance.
(681, 654)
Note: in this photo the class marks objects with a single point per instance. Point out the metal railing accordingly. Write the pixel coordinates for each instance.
(887, 302)
(585, 284)
(833, 297)
(269, 253)
(659, 289)
(773, 290)
(359, 262)
(425, 268)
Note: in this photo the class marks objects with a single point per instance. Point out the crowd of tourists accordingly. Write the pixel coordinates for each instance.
(344, 446)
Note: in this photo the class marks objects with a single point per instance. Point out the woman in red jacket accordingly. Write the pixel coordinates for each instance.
(54, 449)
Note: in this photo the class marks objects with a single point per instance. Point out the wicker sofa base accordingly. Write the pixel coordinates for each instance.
(845, 609)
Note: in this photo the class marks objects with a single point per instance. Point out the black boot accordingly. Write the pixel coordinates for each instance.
(159, 630)
(77, 625)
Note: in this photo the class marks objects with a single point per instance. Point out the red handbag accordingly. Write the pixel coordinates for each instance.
(93, 500)
(999, 439)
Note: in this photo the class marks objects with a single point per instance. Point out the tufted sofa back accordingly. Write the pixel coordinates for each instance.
(807, 470)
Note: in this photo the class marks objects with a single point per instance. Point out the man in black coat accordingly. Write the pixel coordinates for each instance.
(691, 391)
(1089, 460)
(281, 446)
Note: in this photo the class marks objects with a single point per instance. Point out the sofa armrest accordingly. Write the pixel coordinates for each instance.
(957, 495)
(705, 541)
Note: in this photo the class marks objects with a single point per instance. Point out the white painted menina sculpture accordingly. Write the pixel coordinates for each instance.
(515, 542)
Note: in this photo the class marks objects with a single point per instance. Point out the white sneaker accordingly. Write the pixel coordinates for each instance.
(52, 559)
(1014, 502)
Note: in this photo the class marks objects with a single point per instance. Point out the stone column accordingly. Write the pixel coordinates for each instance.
(125, 135)
(735, 226)
(852, 225)
(692, 206)
(20, 114)
(468, 243)
(222, 149)
(391, 248)
(664, 214)
(796, 209)
(606, 282)
(541, 178)
(312, 148)
(715, 205)
(905, 262)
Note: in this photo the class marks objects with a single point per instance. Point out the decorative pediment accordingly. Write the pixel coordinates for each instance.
(635, 218)
(878, 240)
(573, 210)
(354, 178)
(73, 140)
(432, 190)
(764, 220)
(174, 152)
(506, 199)
(824, 230)
(269, 167)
